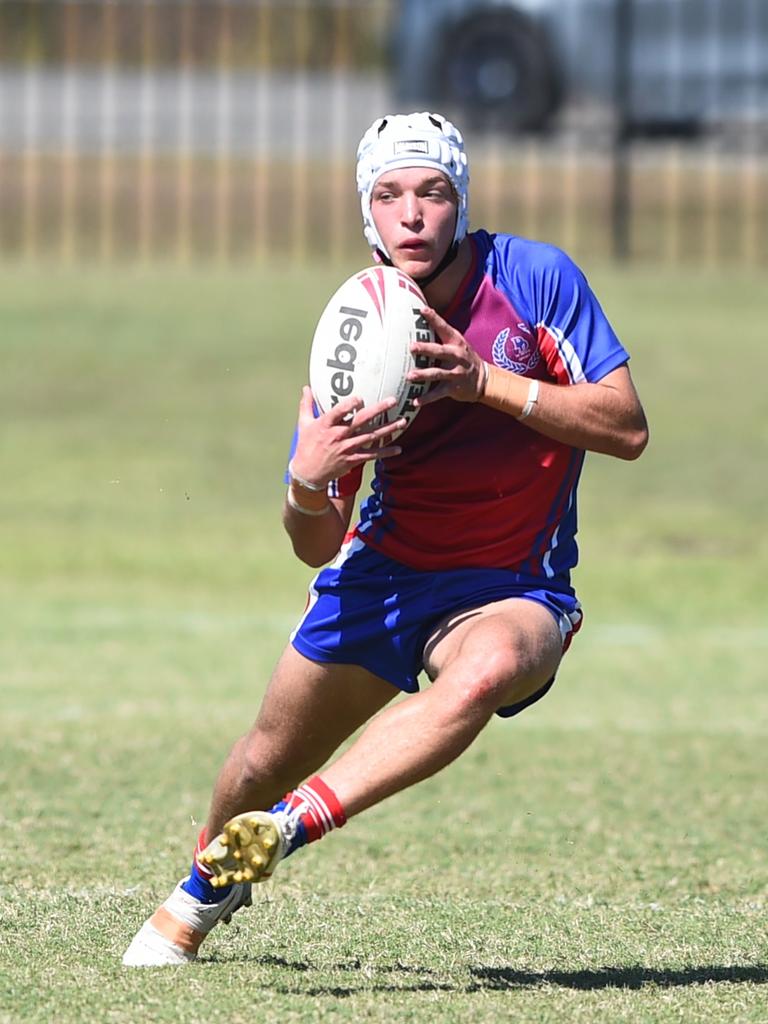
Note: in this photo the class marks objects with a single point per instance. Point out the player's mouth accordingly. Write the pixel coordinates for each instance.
(413, 246)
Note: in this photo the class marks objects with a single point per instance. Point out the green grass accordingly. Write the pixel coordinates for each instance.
(601, 858)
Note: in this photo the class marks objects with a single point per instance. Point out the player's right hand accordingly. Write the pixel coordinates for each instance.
(333, 443)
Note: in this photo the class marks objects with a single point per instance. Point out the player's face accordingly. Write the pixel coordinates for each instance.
(414, 209)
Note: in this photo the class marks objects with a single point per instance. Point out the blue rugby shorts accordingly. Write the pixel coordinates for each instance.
(366, 609)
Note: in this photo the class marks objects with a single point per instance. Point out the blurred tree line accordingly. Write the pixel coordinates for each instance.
(243, 34)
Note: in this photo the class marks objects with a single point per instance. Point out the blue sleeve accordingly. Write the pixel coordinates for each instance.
(552, 293)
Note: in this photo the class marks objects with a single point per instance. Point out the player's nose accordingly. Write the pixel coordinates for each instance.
(410, 212)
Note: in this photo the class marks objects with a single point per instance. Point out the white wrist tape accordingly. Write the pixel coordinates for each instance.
(533, 397)
(486, 375)
(306, 484)
(303, 508)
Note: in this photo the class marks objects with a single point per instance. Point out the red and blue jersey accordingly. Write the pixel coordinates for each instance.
(474, 487)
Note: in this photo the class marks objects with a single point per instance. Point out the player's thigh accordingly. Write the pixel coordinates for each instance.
(513, 645)
(313, 707)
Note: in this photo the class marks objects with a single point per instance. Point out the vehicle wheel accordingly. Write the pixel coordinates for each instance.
(498, 69)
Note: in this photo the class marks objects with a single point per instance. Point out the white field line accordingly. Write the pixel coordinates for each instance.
(612, 634)
(626, 634)
(115, 619)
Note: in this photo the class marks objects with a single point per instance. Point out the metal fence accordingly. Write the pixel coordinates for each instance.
(138, 130)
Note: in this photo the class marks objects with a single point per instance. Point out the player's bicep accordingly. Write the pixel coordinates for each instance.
(620, 381)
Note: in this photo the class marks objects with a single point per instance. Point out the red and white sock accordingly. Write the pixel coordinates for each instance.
(311, 811)
(202, 842)
(198, 884)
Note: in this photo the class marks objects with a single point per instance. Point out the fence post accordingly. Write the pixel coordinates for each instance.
(621, 212)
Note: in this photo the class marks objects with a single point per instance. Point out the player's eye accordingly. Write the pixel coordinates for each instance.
(438, 194)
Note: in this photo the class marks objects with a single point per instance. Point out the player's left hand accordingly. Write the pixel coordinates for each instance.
(459, 372)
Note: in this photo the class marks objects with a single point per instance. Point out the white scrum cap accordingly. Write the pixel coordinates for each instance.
(411, 140)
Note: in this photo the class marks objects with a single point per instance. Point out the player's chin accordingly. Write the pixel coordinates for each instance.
(415, 264)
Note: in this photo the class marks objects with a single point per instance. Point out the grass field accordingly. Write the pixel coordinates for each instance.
(602, 858)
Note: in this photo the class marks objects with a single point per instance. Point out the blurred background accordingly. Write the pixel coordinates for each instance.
(177, 203)
(138, 130)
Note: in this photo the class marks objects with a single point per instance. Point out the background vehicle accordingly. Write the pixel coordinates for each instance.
(514, 63)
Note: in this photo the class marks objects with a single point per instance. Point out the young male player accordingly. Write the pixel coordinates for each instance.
(460, 561)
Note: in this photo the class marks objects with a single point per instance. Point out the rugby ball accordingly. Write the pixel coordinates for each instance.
(362, 343)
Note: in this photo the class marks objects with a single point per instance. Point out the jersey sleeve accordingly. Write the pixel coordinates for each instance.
(574, 336)
(343, 487)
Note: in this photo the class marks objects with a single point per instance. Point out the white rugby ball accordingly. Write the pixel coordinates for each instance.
(362, 343)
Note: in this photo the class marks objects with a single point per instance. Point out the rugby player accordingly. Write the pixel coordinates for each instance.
(459, 563)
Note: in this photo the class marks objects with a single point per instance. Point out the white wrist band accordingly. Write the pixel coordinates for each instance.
(303, 509)
(533, 397)
(306, 484)
(486, 375)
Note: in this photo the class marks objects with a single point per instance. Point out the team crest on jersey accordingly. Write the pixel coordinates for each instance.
(518, 353)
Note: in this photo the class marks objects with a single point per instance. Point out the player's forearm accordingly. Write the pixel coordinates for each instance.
(596, 417)
(314, 524)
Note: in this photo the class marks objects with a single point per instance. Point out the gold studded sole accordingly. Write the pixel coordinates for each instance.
(250, 843)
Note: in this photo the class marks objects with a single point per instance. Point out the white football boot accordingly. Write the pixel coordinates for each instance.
(173, 934)
(248, 848)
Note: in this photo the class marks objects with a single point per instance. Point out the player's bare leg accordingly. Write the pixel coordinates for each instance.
(480, 661)
(307, 712)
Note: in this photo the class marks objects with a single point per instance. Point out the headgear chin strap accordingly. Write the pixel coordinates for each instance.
(425, 279)
(413, 140)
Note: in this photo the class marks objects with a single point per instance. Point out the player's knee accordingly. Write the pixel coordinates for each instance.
(261, 766)
(265, 763)
(484, 682)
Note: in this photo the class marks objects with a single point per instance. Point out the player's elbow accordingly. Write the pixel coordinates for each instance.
(630, 437)
(315, 539)
(632, 443)
(314, 559)
(313, 554)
